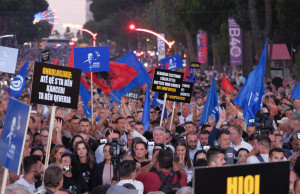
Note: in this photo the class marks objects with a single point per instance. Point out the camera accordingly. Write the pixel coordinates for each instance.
(116, 151)
(265, 124)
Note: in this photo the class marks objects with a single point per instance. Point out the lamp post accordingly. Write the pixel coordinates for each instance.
(94, 35)
(7, 36)
(169, 43)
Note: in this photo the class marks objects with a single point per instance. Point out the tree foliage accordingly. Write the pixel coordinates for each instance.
(16, 18)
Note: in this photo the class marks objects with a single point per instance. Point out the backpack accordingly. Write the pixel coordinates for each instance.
(167, 186)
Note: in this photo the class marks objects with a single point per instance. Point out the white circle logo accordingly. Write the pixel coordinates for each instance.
(17, 83)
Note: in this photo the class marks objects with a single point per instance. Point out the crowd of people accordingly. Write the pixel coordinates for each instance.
(117, 154)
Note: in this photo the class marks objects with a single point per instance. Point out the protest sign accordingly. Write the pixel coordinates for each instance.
(8, 59)
(235, 42)
(184, 96)
(134, 94)
(167, 81)
(45, 55)
(195, 65)
(55, 85)
(272, 177)
(92, 59)
(12, 138)
(172, 62)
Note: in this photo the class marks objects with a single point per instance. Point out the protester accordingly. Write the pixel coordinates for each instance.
(32, 172)
(56, 154)
(83, 163)
(53, 179)
(163, 161)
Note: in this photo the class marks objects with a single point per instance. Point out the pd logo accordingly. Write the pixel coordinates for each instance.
(17, 83)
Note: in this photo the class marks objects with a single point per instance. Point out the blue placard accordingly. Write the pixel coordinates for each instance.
(12, 138)
(92, 59)
(172, 62)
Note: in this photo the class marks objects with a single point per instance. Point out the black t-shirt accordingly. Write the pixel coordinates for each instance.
(75, 186)
(84, 170)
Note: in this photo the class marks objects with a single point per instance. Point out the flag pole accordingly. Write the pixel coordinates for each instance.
(172, 116)
(92, 99)
(163, 110)
(53, 108)
(4, 181)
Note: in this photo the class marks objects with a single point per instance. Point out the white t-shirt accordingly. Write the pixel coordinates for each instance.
(137, 184)
(253, 159)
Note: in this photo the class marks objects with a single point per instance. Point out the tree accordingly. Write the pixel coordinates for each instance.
(16, 18)
(208, 15)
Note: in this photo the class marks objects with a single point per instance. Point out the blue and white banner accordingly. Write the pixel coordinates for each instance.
(172, 62)
(91, 59)
(8, 59)
(13, 134)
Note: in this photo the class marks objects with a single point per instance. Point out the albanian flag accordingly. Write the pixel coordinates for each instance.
(117, 78)
(226, 85)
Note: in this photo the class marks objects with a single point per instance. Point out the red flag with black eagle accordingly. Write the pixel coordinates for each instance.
(226, 85)
(116, 78)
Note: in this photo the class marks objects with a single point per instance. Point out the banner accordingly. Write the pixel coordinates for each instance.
(92, 59)
(167, 81)
(235, 42)
(134, 94)
(12, 138)
(45, 56)
(8, 59)
(55, 85)
(261, 178)
(184, 96)
(172, 62)
(202, 47)
(195, 65)
(161, 47)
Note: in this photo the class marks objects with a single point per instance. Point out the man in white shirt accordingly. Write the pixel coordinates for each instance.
(237, 141)
(127, 174)
(32, 172)
(262, 146)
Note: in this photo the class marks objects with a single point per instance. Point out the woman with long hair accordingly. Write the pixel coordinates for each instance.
(104, 170)
(73, 185)
(56, 154)
(83, 162)
(182, 157)
(140, 152)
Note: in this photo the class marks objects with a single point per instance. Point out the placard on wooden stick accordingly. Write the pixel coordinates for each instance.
(55, 85)
(270, 177)
(166, 81)
(184, 96)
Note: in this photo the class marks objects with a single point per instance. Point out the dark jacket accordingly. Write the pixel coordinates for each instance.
(98, 172)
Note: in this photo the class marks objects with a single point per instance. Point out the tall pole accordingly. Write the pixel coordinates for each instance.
(94, 35)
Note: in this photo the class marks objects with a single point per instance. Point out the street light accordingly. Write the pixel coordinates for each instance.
(7, 36)
(91, 33)
(169, 43)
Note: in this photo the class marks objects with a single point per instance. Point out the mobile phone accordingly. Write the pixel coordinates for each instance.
(67, 168)
(103, 141)
(150, 143)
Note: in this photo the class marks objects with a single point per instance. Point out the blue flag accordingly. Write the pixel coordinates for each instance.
(211, 106)
(250, 96)
(157, 102)
(172, 62)
(296, 92)
(18, 84)
(146, 110)
(143, 77)
(86, 97)
(192, 78)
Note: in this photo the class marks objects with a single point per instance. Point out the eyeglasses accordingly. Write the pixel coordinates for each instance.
(152, 112)
(45, 137)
